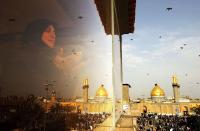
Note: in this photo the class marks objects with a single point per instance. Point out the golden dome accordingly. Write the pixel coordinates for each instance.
(101, 92)
(157, 91)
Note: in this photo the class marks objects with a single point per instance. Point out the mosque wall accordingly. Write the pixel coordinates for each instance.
(97, 107)
(136, 108)
(162, 108)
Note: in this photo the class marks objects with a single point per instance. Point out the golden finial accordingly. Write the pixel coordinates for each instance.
(85, 82)
(174, 80)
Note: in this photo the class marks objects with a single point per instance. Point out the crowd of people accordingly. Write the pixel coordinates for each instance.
(27, 113)
(155, 122)
(85, 121)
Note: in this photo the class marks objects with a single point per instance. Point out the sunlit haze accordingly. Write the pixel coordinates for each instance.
(164, 43)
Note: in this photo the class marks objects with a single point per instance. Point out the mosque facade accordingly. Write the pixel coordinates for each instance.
(158, 103)
(100, 103)
(161, 105)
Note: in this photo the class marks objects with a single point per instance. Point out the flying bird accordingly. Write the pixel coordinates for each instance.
(181, 47)
(160, 37)
(80, 17)
(184, 44)
(46, 89)
(92, 41)
(11, 19)
(199, 55)
(74, 52)
(77, 53)
(169, 8)
(131, 39)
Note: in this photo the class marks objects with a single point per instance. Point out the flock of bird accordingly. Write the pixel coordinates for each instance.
(182, 47)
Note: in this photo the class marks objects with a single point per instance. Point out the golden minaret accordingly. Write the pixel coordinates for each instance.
(85, 90)
(176, 88)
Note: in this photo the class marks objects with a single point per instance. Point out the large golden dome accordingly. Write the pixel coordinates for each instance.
(101, 92)
(157, 91)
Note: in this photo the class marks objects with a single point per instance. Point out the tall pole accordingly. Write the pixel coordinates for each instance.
(121, 58)
(113, 63)
(0, 90)
(121, 68)
(47, 89)
(45, 117)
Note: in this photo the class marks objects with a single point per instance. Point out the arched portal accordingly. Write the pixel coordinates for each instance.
(185, 111)
(144, 109)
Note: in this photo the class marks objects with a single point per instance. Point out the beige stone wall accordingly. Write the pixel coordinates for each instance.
(98, 107)
(163, 108)
(136, 108)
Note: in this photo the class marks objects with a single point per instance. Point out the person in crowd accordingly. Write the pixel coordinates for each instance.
(165, 122)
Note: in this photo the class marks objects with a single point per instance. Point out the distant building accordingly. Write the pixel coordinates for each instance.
(158, 103)
(99, 103)
(161, 104)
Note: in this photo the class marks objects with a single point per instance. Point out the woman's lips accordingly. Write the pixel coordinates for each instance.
(52, 40)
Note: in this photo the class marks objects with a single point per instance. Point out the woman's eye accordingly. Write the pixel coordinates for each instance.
(48, 30)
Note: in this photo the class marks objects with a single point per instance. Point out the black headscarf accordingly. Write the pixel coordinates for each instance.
(34, 30)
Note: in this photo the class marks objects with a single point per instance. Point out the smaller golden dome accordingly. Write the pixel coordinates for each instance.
(101, 92)
(157, 91)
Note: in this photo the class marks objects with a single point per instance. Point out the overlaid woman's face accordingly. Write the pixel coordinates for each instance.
(49, 36)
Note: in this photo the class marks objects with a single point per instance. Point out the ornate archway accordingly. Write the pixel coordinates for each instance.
(185, 111)
(144, 109)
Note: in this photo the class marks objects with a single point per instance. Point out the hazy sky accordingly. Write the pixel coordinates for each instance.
(163, 43)
(155, 52)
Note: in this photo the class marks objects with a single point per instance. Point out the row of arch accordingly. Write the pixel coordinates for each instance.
(185, 111)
